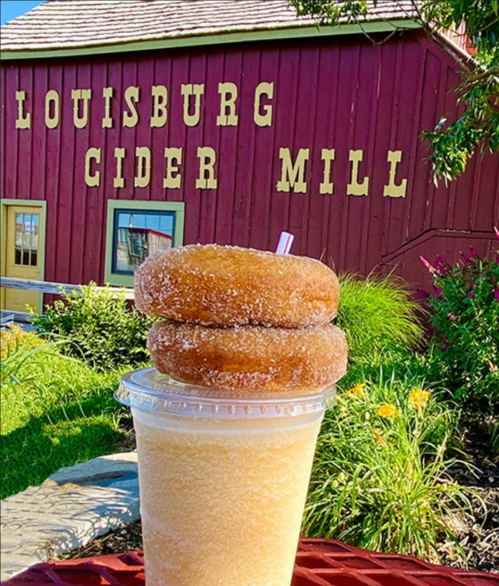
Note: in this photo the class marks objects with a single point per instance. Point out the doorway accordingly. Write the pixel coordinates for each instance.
(23, 240)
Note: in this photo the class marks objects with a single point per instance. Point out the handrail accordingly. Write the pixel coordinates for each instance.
(55, 288)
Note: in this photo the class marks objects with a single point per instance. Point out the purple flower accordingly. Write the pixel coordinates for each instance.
(471, 295)
(464, 257)
(427, 264)
(441, 266)
(445, 346)
(451, 316)
(496, 294)
(438, 291)
(420, 294)
(473, 252)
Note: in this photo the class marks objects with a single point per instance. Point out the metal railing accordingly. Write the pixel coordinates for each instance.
(56, 288)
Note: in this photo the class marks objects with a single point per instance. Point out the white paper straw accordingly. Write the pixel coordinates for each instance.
(285, 243)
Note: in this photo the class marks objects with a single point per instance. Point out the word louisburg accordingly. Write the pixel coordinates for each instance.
(292, 172)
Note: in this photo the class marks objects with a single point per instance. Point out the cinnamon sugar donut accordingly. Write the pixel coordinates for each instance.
(228, 286)
(250, 358)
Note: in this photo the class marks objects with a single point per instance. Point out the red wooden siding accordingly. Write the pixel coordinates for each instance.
(342, 93)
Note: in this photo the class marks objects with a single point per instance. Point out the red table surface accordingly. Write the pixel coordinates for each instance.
(319, 562)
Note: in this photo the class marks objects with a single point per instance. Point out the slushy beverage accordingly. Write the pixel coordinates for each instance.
(223, 481)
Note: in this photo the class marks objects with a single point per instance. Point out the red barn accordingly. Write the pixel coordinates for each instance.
(128, 126)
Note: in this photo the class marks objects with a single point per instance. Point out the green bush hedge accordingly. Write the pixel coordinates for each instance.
(105, 330)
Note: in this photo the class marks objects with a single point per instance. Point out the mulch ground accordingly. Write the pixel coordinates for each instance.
(478, 534)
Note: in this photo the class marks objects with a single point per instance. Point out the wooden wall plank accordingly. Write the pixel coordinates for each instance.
(228, 144)
(264, 155)
(207, 135)
(324, 138)
(80, 216)
(306, 112)
(195, 73)
(145, 81)
(39, 133)
(128, 135)
(348, 77)
(95, 236)
(67, 170)
(285, 93)
(163, 137)
(25, 145)
(244, 171)
(10, 153)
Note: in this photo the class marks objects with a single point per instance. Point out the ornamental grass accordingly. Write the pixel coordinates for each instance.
(378, 315)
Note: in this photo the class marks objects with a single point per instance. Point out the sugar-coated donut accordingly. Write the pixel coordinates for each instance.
(228, 286)
(250, 358)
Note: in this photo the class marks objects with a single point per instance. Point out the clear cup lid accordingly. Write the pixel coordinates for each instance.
(151, 391)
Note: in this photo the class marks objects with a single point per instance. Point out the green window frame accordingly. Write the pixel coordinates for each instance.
(119, 278)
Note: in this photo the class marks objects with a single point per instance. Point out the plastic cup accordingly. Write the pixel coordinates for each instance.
(223, 479)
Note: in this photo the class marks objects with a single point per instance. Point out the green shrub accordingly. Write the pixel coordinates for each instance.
(377, 315)
(103, 329)
(380, 479)
(55, 411)
(465, 319)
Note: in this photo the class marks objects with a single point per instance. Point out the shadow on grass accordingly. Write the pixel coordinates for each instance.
(64, 436)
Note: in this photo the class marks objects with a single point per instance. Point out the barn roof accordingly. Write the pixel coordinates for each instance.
(59, 26)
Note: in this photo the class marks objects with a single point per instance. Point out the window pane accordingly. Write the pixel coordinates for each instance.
(33, 241)
(19, 230)
(25, 261)
(138, 234)
(18, 255)
(34, 257)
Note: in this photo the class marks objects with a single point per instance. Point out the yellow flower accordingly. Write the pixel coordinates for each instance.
(387, 410)
(356, 392)
(419, 398)
(14, 337)
(379, 438)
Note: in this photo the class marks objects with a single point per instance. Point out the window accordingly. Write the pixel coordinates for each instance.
(137, 230)
(26, 240)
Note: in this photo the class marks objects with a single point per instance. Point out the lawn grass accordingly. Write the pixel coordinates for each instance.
(55, 411)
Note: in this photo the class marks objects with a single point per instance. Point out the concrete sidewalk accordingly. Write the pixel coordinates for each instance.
(72, 507)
